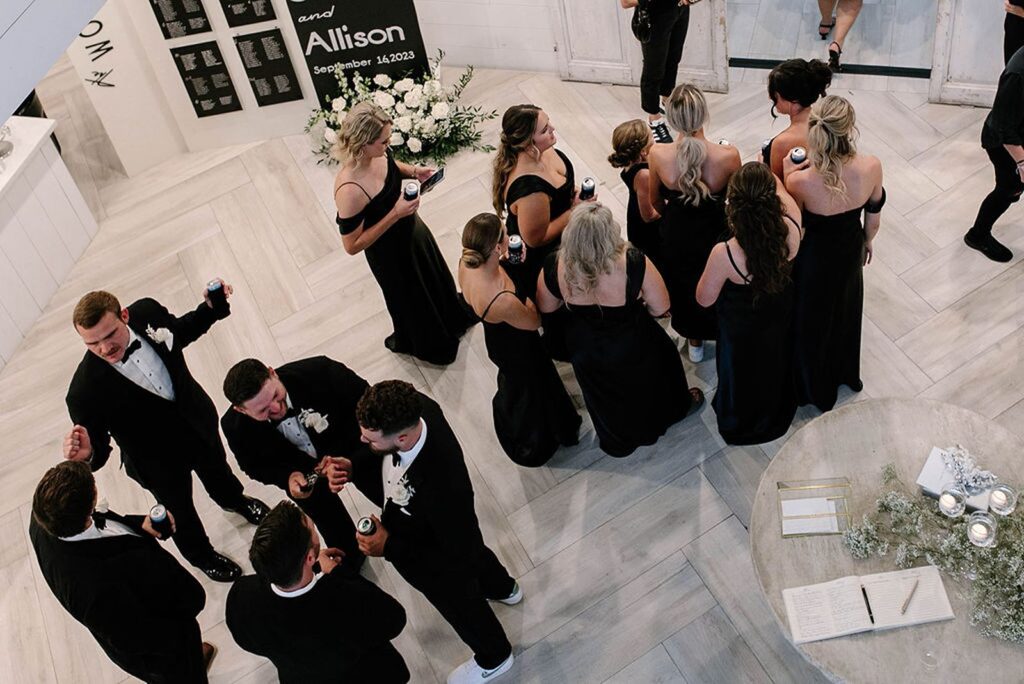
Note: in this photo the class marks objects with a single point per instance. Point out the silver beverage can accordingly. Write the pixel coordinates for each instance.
(587, 188)
(215, 290)
(411, 191)
(765, 143)
(516, 253)
(161, 523)
(723, 141)
(798, 155)
(366, 526)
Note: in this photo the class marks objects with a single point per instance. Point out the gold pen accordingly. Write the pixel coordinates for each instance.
(906, 603)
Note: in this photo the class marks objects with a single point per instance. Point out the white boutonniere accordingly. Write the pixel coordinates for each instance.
(402, 493)
(312, 419)
(161, 336)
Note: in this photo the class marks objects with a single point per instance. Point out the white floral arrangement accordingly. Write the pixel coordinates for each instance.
(429, 122)
(966, 472)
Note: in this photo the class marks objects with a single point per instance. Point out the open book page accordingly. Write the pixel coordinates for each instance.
(887, 591)
(823, 611)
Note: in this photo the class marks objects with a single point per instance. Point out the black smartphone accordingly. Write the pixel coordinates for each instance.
(428, 185)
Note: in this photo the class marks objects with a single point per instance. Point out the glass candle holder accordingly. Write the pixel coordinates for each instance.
(981, 529)
(952, 500)
(1002, 499)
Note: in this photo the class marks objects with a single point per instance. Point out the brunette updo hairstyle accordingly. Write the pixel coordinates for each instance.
(360, 127)
(687, 112)
(480, 237)
(831, 140)
(799, 80)
(754, 213)
(517, 128)
(629, 140)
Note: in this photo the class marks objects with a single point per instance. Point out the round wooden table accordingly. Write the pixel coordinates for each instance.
(855, 442)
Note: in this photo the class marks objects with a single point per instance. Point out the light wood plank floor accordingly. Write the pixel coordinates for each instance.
(634, 570)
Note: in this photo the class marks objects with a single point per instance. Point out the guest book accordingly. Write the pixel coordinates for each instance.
(850, 605)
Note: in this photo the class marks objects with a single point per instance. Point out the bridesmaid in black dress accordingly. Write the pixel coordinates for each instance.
(535, 184)
(533, 414)
(834, 186)
(374, 217)
(747, 280)
(631, 141)
(688, 179)
(793, 87)
(628, 368)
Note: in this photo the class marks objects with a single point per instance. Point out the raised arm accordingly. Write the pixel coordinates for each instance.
(508, 309)
(536, 225)
(356, 236)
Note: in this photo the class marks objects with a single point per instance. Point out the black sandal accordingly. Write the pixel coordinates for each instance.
(828, 28)
(698, 401)
(833, 57)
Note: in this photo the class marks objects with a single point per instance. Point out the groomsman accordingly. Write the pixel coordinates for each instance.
(428, 528)
(285, 425)
(110, 574)
(313, 622)
(134, 385)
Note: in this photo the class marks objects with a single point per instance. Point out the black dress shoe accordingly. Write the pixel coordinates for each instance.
(252, 510)
(989, 246)
(220, 568)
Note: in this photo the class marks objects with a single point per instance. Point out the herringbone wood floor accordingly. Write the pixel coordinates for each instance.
(634, 570)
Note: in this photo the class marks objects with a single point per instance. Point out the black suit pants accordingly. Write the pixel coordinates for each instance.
(172, 487)
(332, 520)
(669, 23)
(1007, 191)
(461, 598)
(177, 658)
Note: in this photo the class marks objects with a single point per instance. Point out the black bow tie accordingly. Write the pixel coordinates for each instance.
(131, 349)
(290, 413)
(99, 519)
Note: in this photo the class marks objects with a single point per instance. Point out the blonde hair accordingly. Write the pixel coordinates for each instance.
(629, 140)
(687, 112)
(831, 139)
(591, 244)
(518, 125)
(480, 238)
(361, 126)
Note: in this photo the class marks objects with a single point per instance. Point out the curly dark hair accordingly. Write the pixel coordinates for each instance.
(280, 544)
(245, 380)
(389, 407)
(754, 212)
(800, 80)
(64, 498)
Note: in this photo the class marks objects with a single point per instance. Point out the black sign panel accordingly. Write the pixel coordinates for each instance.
(180, 17)
(206, 79)
(245, 12)
(368, 37)
(270, 72)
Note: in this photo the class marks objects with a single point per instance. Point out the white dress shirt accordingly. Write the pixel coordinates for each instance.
(112, 528)
(295, 432)
(146, 369)
(298, 592)
(392, 473)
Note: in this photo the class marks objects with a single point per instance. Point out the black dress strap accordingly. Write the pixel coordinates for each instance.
(527, 185)
(746, 278)
(494, 299)
(551, 275)
(351, 183)
(636, 269)
(875, 207)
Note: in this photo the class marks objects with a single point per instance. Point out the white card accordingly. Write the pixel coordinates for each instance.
(809, 516)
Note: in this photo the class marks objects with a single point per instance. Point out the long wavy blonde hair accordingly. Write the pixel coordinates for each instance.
(517, 127)
(687, 112)
(360, 127)
(831, 139)
(591, 244)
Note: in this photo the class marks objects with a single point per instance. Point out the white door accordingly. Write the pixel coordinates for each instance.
(596, 44)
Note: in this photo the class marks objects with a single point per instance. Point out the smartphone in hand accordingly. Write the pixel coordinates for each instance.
(428, 185)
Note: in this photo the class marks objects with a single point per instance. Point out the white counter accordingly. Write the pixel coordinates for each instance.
(45, 226)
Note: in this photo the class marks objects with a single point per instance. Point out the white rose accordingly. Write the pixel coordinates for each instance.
(400, 108)
(383, 80)
(440, 110)
(330, 136)
(338, 105)
(404, 85)
(415, 145)
(428, 125)
(413, 99)
(432, 87)
(396, 139)
(383, 100)
(403, 123)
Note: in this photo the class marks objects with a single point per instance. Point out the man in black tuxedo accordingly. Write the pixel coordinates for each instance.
(314, 623)
(134, 385)
(428, 528)
(285, 425)
(111, 575)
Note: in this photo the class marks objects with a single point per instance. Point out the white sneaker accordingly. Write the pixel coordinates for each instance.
(696, 353)
(471, 673)
(515, 597)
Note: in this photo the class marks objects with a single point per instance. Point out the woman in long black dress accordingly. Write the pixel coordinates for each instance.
(536, 185)
(628, 368)
(374, 217)
(533, 414)
(834, 186)
(748, 281)
(631, 142)
(793, 87)
(688, 179)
